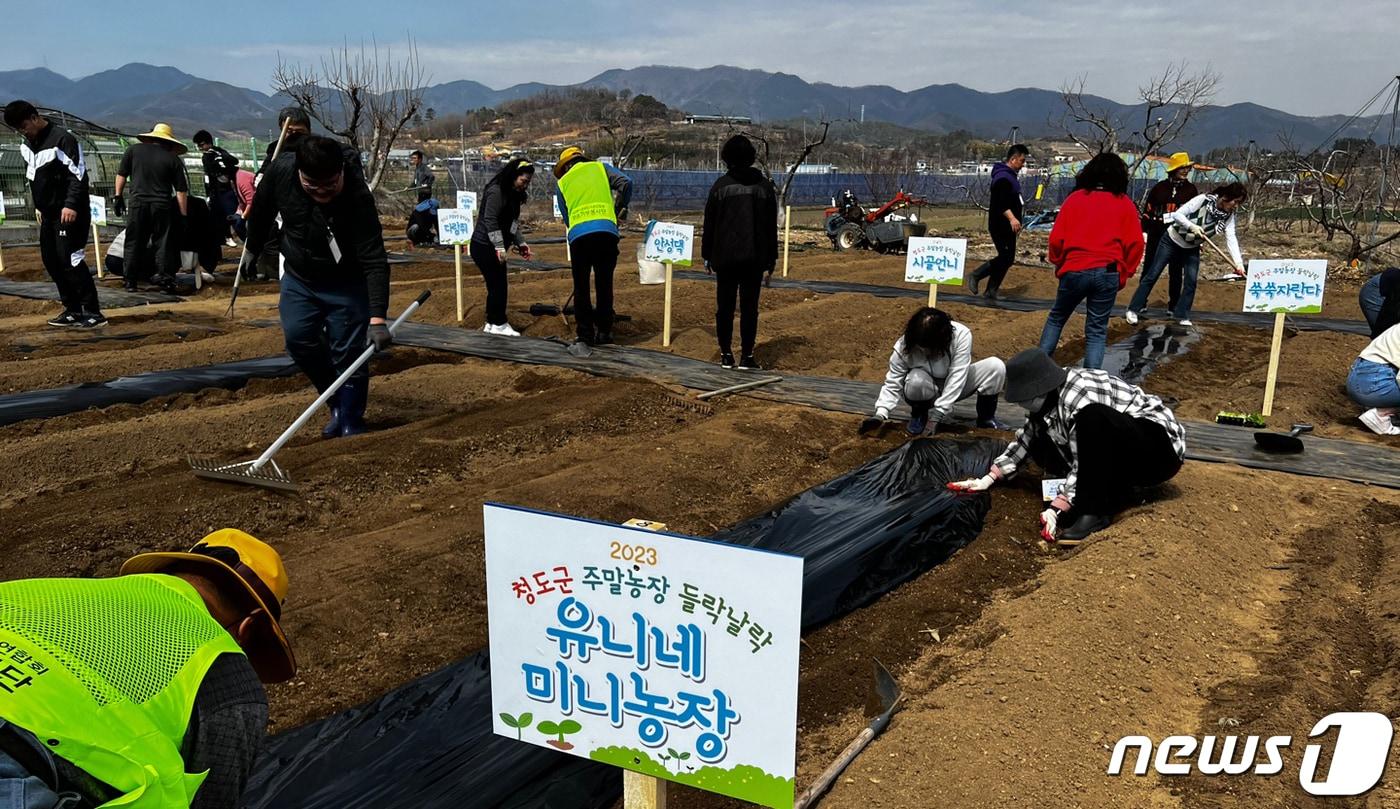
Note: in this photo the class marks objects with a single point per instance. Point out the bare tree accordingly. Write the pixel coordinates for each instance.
(1340, 194)
(1168, 103)
(364, 96)
(765, 163)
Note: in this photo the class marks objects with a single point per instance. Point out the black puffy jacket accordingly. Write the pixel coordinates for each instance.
(741, 221)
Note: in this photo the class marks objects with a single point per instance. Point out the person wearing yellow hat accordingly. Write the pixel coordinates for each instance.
(1162, 201)
(143, 690)
(156, 175)
(593, 198)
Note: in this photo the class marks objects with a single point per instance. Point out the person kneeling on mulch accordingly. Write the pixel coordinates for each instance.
(1107, 437)
(1373, 382)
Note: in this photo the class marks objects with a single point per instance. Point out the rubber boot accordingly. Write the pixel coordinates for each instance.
(354, 397)
(332, 428)
(987, 413)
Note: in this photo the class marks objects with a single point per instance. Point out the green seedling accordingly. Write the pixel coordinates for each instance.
(560, 729)
(677, 756)
(523, 721)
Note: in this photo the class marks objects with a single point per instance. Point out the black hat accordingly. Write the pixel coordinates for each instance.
(738, 152)
(1030, 374)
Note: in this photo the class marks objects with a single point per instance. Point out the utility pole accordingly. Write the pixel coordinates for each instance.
(1248, 158)
(1385, 161)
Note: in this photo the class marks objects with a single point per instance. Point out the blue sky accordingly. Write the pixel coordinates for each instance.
(1301, 56)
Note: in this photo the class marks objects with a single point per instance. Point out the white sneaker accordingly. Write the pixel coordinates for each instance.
(489, 329)
(505, 330)
(1184, 322)
(1379, 421)
(1131, 317)
(229, 242)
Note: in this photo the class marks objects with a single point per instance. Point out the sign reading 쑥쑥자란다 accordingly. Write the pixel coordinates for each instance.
(669, 656)
(1292, 286)
(933, 260)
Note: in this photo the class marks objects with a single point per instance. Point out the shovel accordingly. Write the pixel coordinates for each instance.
(264, 471)
(1278, 442)
(888, 691)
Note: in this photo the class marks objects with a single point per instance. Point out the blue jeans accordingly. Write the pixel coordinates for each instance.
(326, 326)
(21, 789)
(1100, 287)
(1373, 384)
(1371, 300)
(1168, 252)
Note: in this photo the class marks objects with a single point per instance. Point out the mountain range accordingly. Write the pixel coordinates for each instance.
(136, 95)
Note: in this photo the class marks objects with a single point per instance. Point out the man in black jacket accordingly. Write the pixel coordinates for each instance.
(739, 244)
(1004, 213)
(156, 175)
(59, 182)
(335, 288)
(220, 169)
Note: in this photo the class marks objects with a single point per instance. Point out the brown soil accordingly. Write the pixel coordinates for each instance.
(1239, 594)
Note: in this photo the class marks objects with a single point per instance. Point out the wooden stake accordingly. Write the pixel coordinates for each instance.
(932, 295)
(1273, 365)
(97, 251)
(2, 258)
(457, 257)
(666, 318)
(642, 791)
(787, 229)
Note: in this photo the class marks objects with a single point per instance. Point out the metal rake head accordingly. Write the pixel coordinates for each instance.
(270, 476)
(687, 403)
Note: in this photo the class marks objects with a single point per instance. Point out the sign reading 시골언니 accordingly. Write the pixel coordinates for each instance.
(1292, 286)
(935, 261)
(670, 656)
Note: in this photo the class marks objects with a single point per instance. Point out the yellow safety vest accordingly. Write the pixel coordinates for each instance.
(587, 196)
(105, 672)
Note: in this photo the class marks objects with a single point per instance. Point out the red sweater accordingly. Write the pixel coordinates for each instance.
(1095, 229)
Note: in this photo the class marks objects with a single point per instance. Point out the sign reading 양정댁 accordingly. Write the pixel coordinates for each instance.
(668, 241)
(97, 207)
(670, 656)
(935, 261)
(454, 226)
(466, 200)
(1288, 285)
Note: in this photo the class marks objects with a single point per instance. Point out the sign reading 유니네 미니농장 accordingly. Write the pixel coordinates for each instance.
(935, 261)
(1292, 286)
(670, 656)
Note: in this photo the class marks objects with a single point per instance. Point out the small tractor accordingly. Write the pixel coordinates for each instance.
(885, 230)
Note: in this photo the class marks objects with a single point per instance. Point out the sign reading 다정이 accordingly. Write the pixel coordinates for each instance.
(466, 200)
(454, 226)
(935, 261)
(97, 207)
(1287, 285)
(668, 241)
(670, 656)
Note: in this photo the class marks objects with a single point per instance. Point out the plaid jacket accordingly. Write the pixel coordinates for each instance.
(1085, 387)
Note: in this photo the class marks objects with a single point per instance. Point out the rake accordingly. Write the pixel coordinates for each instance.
(243, 258)
(264, 471)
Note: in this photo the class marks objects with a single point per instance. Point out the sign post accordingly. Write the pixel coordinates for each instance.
(670, 657)
(936, 262)
(2, 244)
(1286, 286)
(558, 214)
(466, 200)
(787, 229)
(671, 244)
(455, 228)
(97, 207)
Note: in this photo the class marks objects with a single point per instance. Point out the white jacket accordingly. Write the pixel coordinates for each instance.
(950, 371)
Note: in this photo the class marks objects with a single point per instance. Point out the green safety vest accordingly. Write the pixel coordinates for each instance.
(587, 194)
(105, 672)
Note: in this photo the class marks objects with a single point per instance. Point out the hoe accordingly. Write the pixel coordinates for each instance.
(264, 471)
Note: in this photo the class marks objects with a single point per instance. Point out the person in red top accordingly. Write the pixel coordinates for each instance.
(1096, 245)
(244, 185)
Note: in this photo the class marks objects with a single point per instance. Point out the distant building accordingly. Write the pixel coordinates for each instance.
(814, 168)
(718, 119)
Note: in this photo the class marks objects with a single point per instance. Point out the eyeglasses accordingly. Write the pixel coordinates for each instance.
(325, 186)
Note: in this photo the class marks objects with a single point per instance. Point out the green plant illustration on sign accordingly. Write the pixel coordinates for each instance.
(676, 756)
(743, 782)
(559, 729)
(520, 722)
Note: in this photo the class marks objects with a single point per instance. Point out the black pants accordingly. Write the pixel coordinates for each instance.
(594, 253)
(63, 248)
(1154, 235)
(1116, 454)
(996, 269)
(149, 230)
(745, 281)
(493, 272)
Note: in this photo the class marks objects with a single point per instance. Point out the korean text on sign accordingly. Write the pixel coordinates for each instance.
(935, 261)
(454, 226)
(668, 241)
(1288, 285)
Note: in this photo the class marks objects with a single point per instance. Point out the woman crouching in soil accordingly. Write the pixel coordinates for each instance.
(1105, 436)
(1373, 383)
(497, 231)
(932, 369)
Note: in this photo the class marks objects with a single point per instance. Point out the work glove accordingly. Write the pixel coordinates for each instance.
(119, 206)
(872, 424)
(379, 336)
(972, 484)
(1049, 523)
(501, 255)
(525, 251)
(1198, 231)
(1239, 270)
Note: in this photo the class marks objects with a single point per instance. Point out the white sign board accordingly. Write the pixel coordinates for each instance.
(466, 200)
(670, 656)
(670, 242)
(1050, 488)
(2, 209)
(454, 226)
(1287, 285)
(558, 214)
(935, 261)
(97, 206)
